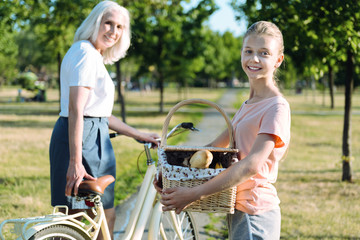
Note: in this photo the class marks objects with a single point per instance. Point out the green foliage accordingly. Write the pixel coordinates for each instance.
(8, 53)
(222, 56)
(317, 34)
(28, 80)
(168, 39)
(37, 33)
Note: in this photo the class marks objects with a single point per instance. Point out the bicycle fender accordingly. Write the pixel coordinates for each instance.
(154, 226)
(40, 226)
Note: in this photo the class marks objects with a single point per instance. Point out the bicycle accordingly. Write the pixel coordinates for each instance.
(61, 225)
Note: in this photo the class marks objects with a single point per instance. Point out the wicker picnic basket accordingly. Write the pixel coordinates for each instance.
(175, 175)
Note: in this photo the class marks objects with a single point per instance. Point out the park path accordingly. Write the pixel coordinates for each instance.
(211, 126)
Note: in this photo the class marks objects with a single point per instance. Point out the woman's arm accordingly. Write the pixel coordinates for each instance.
(124, 129)
(178, 198)
(76, 171)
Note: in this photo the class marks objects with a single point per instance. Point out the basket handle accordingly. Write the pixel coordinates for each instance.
(191, 101)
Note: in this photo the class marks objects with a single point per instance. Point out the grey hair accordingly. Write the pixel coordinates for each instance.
(89, 30)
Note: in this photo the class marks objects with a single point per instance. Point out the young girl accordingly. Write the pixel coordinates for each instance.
(262, 135)
(80, 146)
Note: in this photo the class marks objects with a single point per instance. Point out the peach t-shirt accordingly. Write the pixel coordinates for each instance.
(270, 116)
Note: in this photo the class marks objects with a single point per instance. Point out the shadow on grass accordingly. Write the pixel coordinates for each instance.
(305, 171)
(26, 124)
(332, 175)
(145, 114)
(130, 103)
(28, 110)
(320, 237)
(15, 181)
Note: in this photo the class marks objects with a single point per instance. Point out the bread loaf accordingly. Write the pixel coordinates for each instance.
(201, 159)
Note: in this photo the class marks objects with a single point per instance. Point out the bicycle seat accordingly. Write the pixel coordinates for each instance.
(97, 187)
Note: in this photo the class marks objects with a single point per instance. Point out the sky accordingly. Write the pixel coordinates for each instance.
(224, 19)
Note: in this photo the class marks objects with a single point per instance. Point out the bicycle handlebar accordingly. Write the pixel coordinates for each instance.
(148, 145)
(112, 135)
(188, 125)
(184, 125)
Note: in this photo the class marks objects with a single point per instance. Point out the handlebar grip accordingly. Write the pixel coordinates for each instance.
(187, 125)
(148, 144)
(112, 135)
(140, 141)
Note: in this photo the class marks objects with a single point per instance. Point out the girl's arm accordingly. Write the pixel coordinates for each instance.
(178, 198)
(221, 141)
(124, 129)
(76, 171)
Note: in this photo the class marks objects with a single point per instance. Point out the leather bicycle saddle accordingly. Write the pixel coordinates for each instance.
(97, 187)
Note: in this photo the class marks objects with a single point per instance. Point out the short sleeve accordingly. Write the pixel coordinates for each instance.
(276, 121)
(83, 69)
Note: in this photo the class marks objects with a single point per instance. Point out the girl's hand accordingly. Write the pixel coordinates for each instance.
(158, 183)
(75, 174)
(178, 198)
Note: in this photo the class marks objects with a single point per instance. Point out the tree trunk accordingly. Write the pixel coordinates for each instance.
(346, 147)
(161, 86)
(160, 68)
(121, 98)
(59, 70)
(331, 87)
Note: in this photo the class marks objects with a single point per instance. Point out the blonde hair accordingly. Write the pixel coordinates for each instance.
(267, 28)
(89, 30)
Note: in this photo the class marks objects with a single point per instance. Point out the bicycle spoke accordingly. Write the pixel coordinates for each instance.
(182, 222)
(162, 232)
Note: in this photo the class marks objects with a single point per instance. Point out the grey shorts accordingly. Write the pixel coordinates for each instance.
(98, 160)
(265, 226)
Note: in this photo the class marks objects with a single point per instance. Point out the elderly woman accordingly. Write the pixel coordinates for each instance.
(80, 147)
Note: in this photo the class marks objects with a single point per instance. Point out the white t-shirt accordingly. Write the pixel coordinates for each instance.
(83, 66)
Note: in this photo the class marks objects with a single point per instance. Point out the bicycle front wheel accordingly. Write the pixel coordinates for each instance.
(57, 232)
(185, 224)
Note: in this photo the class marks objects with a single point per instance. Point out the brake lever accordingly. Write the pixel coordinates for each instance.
(194, 129)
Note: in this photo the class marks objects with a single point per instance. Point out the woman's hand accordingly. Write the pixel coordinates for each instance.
(178, 198)
(122, 128)
(149, 137)
(75, 174)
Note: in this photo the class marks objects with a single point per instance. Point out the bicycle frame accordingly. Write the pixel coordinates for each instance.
(24, 228)
(147, 203)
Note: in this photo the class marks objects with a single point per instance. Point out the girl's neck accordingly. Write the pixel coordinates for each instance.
(260, 91)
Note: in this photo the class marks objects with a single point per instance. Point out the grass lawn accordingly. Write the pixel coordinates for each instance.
(315, 203)
(25, 131)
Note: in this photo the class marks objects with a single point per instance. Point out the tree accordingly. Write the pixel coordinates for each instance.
(64, 17)
(167, 38)
(222, 57)
(8, 54)
(10, 22)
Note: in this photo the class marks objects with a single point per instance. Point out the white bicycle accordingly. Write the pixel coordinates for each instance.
(148, 209)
